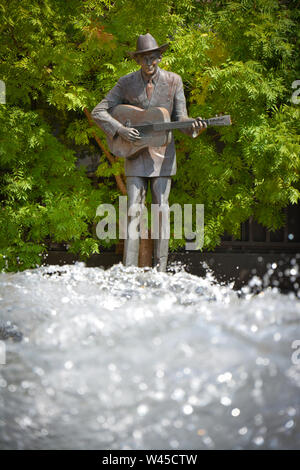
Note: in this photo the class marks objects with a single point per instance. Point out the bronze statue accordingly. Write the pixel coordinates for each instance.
(149, 87)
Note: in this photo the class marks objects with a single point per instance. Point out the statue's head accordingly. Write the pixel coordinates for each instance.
(148, 54)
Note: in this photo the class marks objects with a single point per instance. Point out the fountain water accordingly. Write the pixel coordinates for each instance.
(129, 358)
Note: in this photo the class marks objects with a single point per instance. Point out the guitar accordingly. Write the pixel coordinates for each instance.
(154, 126)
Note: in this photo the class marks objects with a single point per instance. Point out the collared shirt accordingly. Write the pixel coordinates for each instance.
(154, 77)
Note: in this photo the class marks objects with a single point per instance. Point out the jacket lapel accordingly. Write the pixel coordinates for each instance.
(138, 95)
(160, 96)
(141, 89)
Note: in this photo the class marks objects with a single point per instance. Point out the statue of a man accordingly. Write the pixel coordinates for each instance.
(151, 86)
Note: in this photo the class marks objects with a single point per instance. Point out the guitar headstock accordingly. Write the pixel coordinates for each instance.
(220, 120)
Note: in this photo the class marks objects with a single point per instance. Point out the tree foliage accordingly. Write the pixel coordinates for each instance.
(59, 57)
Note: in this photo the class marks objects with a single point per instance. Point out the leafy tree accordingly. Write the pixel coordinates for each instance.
(45, 62)
(58, 59)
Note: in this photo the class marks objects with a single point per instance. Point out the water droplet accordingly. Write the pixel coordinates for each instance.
(142, 410)
(235, 412)
(226, 401)
(143, 386)
(178, 423)
(277, 336)
(291, 411)
(262, 361)
(137, 434)
(243, 431)
(289, 424)
(174, 444)
(160, 373)
(3, 383)
(178, 394)
(224, 377)
(187, 409)
(68, 365)
(258, 419)
(259, 440)
(25, 384)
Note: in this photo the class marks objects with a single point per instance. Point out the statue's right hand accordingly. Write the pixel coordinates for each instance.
(129, 133)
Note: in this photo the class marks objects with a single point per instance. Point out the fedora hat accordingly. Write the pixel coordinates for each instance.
(147, 43)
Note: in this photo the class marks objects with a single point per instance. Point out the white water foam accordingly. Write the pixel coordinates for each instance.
(129, 358)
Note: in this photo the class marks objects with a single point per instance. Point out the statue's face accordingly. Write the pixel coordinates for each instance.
(149, 62)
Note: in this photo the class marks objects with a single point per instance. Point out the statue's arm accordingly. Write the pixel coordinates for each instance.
(100, 113)
(180, 111)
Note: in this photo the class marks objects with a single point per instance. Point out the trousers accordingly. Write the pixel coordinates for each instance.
(136, 191)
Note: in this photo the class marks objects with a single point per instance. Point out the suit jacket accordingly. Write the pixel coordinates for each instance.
(131, 89)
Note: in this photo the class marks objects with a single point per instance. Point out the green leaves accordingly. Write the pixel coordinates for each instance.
(57, 57)
(85, 247)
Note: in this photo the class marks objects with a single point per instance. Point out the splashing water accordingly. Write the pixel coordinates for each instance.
(129, 358)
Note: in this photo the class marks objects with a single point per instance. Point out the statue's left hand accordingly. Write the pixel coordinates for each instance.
(199, 125)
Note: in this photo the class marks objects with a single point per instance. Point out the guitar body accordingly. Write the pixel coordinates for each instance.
(132, 116)
(154, 126)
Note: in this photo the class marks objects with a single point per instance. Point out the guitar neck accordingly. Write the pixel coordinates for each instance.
(169, 126)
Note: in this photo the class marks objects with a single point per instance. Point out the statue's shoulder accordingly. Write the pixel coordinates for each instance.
(130, 77)
(170, 77)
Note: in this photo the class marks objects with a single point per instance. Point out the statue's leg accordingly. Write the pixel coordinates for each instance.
(160, 189)
(136, 193)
